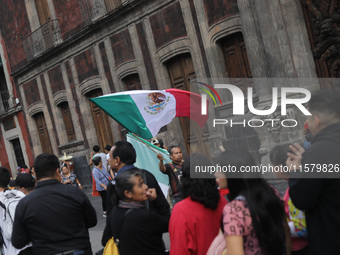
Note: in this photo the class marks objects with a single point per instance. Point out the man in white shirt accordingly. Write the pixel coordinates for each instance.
(95, 153)
(24, 184)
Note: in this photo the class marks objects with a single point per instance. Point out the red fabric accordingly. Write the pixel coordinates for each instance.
(189, 105)
(95, 192)
(193, 227)
(224, 192)
(305, 126)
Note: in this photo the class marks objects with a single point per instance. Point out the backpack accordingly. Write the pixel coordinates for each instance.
(8, 204)
(111, 248)
(2, 242)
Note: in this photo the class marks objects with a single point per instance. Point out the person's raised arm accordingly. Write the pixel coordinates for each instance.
(235, 245)
(161, 163)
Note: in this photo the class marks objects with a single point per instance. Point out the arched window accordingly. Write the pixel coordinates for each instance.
(101, 121)
(132, 82)
(181, 71)
(235, 56)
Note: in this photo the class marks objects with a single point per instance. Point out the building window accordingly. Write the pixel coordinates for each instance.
(112, 4)
(43, 11)
(101, 121)
(18, 152)
(132, 82)
(9, 123)
(236, 61)
(235, 57)
(71, 135)
(4, 93)
(43, 133)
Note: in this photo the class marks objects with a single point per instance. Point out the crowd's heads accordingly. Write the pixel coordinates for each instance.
(96, 148)
(107, 148)
(237, 159)
(175, 153)
(266, 208)
(124, 183)
(24, 180)
(125, 151)
(45, 166)
(203, 191)
(64, 168)
(5, 176)
(155, 141)
(161, 144)
(325, 109)
(172, 147)
(96, 160)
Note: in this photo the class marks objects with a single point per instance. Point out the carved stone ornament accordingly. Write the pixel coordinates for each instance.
(274, 127)
(323, 24)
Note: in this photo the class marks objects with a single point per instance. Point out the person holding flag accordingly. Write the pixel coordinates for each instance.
(173, 170)
(123, 158)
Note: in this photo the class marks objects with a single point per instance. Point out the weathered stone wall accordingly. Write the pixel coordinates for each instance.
(14, 26)
(140, 40)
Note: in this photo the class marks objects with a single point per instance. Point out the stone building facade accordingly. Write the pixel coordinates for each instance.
(63, 52)
(15, 149)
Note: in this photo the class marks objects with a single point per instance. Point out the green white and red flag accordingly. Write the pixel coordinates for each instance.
(145, 112)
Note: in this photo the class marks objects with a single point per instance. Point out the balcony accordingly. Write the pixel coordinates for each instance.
(44, 38)
(5, 101)
(94, 10)
(8, 104)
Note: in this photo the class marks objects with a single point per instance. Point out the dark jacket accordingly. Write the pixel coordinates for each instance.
(319, 196)
(55, 218)
(139, 231)
(162, 204)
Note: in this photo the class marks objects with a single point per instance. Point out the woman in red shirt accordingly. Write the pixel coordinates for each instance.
(196, 220)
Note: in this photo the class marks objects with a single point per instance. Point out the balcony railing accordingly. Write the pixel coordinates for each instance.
(44, 38)
(5, 99)
(95, 9)
(48, 35)
(6, 102)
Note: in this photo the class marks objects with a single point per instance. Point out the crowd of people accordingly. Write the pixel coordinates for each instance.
(48, 213)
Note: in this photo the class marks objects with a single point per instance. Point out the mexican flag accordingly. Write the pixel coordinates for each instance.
(145, 112)
(147, 159)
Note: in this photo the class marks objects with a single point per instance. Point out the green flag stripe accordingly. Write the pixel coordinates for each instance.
(124, 110)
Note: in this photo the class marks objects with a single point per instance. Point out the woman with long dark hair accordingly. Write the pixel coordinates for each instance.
(195, 221)
(138, 229)
(254, 218)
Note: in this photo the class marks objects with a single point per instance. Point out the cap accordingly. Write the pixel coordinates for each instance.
(24, 180)
(154, 141)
